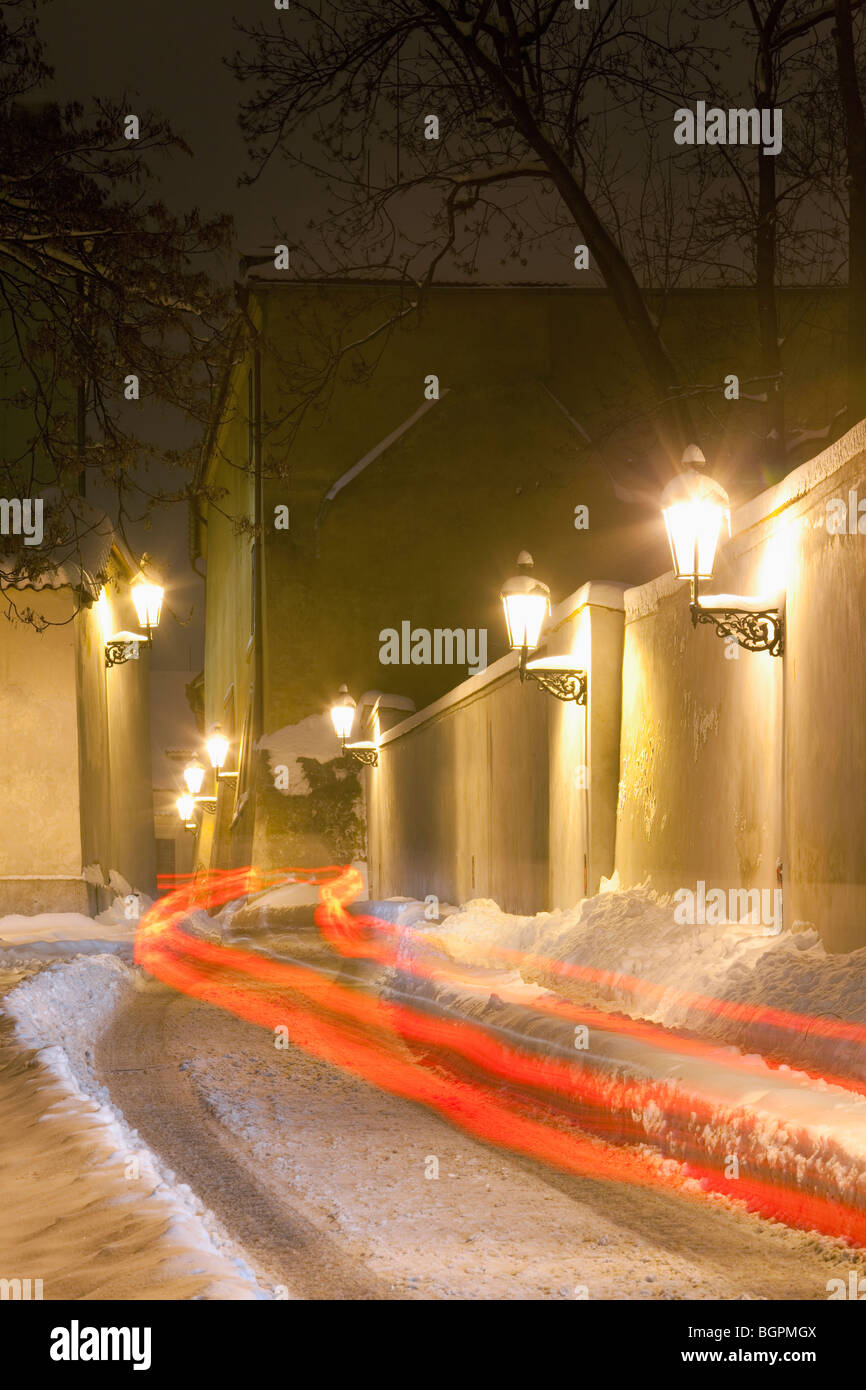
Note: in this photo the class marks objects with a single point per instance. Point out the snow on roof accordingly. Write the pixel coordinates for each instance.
(80, 563)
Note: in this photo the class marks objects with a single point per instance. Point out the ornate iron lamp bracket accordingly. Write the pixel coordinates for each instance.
(119, 651)
(565, 682)
(757, 632)
(125, 647)
(370, 756)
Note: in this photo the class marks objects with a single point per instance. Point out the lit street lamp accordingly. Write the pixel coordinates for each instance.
(695, 508)
(526, 602)
(217, 747)
(147, 599)
(343, 717)
(217, 750)
(193, 776)
(343, 714)
(185, 807)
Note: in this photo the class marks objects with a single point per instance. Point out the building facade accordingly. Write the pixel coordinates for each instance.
(74, 741)
(374, 467)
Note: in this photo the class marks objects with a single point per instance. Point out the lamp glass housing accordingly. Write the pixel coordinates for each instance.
(217, 748)
(693, 533)
(695, 507)
(193, 775)
(526, 602)
(343, 714)
(147, 598)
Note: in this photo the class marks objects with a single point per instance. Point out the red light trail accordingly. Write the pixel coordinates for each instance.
(566, 1114)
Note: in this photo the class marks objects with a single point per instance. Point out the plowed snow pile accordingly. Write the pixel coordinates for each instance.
(89, 1210)
(632, 936)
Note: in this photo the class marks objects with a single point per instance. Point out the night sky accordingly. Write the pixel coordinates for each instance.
(169, 57)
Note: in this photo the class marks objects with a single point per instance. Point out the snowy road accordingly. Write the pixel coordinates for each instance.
(320, 1178)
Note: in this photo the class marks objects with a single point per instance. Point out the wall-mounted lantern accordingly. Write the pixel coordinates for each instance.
(193, 776)
(695, 509)
(526, 602)
(343, 714)
(343, 717)
(147, 598)
(185, 807)
(217, 746)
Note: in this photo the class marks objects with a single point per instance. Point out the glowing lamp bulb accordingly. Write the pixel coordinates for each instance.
(343, 714)
(694, 507)
(185, 807)
(217, 747)
(193, 775)
(526, 602)
(147, 598)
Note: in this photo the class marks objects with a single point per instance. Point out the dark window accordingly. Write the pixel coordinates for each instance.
(165, 856)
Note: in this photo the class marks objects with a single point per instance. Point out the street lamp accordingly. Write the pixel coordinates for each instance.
(526, 602)
(343, 714)
(343, 717)
(193, 775)
(217, 747)
(695, 508)
(185, 807)
(217, 751)
(147, 599)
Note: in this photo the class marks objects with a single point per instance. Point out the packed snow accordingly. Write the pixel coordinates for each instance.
(66, 978)
(633, 935)
(95, 1215)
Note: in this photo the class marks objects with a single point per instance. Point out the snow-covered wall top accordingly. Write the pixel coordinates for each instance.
(597, 593)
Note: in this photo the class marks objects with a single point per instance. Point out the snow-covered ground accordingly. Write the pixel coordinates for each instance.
(350, 1156)
(95, 1214)
(755, 1002)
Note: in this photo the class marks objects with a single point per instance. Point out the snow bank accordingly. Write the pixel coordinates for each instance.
(692, 1105)
(632, 936)
(50, 936)
(45, 926)
(60, 1012)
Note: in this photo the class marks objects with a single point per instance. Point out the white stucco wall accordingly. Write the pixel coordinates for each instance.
(727, 765)
(39, 748)
(727, 762)
(478, 794)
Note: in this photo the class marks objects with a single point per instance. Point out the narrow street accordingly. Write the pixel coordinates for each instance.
(320, 1179)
